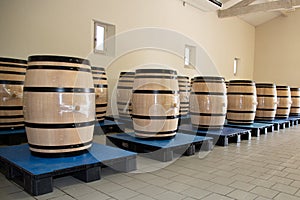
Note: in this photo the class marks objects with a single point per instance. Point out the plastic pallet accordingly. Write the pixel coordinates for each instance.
(221, 137)
(294, 121)
(297, 118)
(275, 127)
(283, 123)
(35, 174)
(162, 149)
(256, 128)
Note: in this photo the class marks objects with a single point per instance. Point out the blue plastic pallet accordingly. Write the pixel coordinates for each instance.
(276, 124)
(221, 137)
(35, 174)
(256, 128)
(294, 120)
(283, 123)
(161, 149)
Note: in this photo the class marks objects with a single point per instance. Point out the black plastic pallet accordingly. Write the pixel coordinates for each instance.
(221, 137)
(163, 149)
(36, 174)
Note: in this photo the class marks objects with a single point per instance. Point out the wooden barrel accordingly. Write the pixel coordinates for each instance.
(124, 93)
(59, 104)
(295, 107)
(208, 103)
(184, 90)
(284, 101)
(267, 101)
(12, 76)
(101, 92)
(155, 103)
(242, 101)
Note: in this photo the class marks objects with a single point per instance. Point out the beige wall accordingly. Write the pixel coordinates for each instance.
(277, 51)
(65, 27)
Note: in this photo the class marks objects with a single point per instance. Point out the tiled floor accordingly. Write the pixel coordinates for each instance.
(268, 168)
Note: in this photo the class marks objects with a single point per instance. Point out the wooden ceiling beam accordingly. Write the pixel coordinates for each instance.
(242, 3)
(268, 6)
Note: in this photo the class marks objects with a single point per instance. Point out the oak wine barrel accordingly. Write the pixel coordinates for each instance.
(295, 107)
(184, 90)
(284, 101)
(242, 102)
(101, 92)
(267, 101)
(208, 103)
(155, 103)
(12, 76)
(59, 104)
(124, 94)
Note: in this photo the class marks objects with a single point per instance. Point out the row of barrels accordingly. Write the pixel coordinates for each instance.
(249, 101)
(209, 101)
(57, 98)
(62, 95)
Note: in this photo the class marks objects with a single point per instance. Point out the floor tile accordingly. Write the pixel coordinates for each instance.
(123, 194)
(265, 192)
(242, 185)
(241, 195)
(285, 188)
(216, 196)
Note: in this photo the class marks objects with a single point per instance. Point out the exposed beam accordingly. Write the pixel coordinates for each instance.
(272, 5)
(283, 13)
(286, 13)
(242, 3)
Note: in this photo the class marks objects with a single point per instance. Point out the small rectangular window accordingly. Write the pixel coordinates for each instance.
(186, 56)
(104, 38)
(99, 39)
(235, 65)
(189, 56)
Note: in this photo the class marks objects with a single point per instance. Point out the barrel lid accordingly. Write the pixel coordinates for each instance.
(295, 89)
(282, 86)
(183, 77)
(127, 73)
(209, 78)
(56, 58)
(13, 60)
(98, 68)
(241, 81)
(161, 71)
(265, 85)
